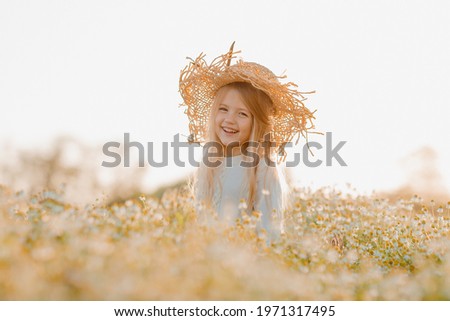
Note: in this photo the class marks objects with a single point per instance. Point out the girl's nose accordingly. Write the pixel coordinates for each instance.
(230, 118)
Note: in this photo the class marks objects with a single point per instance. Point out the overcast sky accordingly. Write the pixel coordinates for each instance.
(97, 69)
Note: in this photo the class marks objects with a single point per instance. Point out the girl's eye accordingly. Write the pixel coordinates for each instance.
(243, 114)
(222, 109)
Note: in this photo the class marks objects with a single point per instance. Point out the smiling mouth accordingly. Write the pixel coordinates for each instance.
(229, 130)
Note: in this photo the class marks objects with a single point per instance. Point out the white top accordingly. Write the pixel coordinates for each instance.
(231, 193)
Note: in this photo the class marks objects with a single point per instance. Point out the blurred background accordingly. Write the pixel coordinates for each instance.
(75, 75)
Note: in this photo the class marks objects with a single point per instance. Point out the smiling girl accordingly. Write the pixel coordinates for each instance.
(247, 116)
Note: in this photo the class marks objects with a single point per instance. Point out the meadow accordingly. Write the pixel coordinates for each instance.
(335, 247)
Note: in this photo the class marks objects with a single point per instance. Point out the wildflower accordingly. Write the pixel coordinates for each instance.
(352, 256)
(158, 216)
(242, 204)
(332, 256)
(256, 214)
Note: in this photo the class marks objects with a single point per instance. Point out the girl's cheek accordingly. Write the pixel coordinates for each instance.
(247, 124)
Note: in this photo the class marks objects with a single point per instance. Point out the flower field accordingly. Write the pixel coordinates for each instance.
(335, 247)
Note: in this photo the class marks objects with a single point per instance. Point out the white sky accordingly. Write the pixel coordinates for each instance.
(96, 69)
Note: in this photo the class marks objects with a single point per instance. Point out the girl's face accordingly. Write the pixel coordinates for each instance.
(233, 121)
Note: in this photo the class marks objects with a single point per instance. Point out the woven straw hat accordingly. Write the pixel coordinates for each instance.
(199, 83)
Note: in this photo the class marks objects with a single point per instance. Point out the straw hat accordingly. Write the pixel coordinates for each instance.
(199, 83)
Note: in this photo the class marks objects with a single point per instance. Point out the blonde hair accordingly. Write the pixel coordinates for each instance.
(262, 110)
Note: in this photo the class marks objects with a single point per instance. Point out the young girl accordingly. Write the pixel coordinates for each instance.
(245, 117)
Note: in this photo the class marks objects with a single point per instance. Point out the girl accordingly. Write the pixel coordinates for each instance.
(245, 117)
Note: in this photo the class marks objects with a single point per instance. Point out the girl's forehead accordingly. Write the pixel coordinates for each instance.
(233, 99)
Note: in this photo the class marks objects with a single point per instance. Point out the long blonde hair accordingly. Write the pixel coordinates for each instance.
(261, 109)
